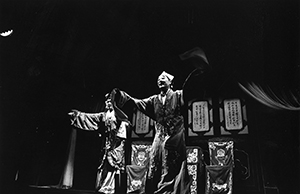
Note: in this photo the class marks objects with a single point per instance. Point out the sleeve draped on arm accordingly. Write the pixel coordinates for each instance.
(87, 121)
(144, 105)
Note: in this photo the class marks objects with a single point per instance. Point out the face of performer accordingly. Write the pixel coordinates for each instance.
(163, 82)
(108, 104)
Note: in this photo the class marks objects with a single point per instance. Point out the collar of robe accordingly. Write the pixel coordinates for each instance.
(165, 94)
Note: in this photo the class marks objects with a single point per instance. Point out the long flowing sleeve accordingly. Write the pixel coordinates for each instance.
(87, 121)
(144, 105)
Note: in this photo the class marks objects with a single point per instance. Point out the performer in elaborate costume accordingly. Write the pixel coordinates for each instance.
(116, 125)
(167, 171)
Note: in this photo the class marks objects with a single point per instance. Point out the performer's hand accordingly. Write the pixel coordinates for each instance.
(73, 113)
(115, 94)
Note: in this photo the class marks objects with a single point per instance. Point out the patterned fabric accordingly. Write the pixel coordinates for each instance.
(221, 152)
(219, 179)
(140, 154)
(219, 173)
(194, 155)
(195, 166)
(116, 157)
(193, 171)
(136, 173)
(136, 178)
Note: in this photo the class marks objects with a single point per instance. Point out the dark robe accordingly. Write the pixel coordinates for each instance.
(167, 170)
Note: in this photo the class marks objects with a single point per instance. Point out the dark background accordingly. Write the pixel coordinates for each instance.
(69, 54)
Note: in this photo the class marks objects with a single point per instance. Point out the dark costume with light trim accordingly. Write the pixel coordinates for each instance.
(167, 171)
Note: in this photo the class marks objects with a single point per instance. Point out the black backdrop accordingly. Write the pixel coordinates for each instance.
(69, 54)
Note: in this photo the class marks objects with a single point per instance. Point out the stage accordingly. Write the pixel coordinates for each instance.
(32, 189)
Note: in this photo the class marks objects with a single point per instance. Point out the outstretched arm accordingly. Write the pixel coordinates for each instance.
(85, 121)
(144, 105)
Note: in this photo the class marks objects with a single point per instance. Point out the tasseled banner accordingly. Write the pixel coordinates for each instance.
(290, 102)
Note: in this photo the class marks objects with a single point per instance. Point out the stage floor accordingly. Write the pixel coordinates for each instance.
(50, 190)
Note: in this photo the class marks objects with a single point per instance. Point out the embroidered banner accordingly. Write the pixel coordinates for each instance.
(218, 179)
(221, 152)
(136, 178)
(194, 165)
(136, 173)
(140, 153)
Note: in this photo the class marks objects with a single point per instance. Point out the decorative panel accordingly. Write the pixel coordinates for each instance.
(220, 171)
(143, 126)
(200, 118)
(218, 179)
(137, 171)
(136, 178)
(140, 153)
(195, 166)
(233, 118)
(221, 152)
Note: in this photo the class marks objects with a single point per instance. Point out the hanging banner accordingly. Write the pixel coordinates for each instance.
(137, 171)
(221, 152)
(140, 153)
(233, 114)
(219, 179)
(143, 126)
(142, 123)
(195, 166)
(136, 178)
(200, 116)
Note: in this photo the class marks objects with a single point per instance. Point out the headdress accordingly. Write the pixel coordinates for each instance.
(169, 76)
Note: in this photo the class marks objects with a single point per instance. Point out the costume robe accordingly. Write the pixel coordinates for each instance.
(167, 172)
(113, 160)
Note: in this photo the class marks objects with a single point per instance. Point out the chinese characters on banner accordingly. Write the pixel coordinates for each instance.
(233, 117)
(142, 125)
(200, 116)
(233, 114)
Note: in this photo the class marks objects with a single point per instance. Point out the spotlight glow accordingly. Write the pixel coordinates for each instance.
(6, 33)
